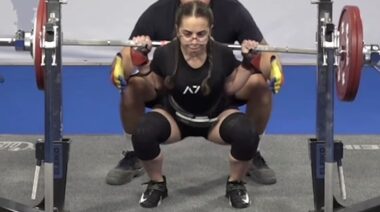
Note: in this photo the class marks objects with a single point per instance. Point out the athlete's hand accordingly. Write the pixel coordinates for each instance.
(249, 55)
(139, 53)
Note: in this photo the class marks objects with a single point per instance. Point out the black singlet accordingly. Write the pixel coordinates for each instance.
(186, 91)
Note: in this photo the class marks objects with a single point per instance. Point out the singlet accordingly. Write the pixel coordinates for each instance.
(232, 22)
(187, 87)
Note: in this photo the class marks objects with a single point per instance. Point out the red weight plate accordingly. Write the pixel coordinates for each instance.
(39, 23)
(351, 58)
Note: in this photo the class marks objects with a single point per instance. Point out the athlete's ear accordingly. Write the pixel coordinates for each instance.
(211, 27)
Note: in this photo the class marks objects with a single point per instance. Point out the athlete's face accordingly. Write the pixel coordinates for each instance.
(194, 33)
(204, 1)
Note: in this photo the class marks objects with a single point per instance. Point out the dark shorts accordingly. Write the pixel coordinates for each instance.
(187, 130)
(192, 130)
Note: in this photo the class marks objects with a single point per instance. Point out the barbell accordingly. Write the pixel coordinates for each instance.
(351, 52)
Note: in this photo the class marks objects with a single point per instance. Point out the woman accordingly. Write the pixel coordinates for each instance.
(194, 77)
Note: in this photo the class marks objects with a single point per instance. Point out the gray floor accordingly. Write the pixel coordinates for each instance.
(196, 171)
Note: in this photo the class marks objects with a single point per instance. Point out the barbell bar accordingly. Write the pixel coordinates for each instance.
(73, 42)
(260, 48)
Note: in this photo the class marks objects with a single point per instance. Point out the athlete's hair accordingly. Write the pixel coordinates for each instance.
(193, 9)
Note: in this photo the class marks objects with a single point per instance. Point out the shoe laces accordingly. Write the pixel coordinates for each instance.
(237, 186)
(153, 185)
(259, 161)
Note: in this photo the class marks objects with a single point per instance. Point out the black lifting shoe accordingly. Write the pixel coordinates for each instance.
(128, 168)
(237, 194)
(153, 195)
(260, 171)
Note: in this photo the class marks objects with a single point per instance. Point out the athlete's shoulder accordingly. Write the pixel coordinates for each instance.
(228, 4)
(162, 5)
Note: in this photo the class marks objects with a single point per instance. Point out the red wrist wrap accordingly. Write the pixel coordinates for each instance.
(138, 58)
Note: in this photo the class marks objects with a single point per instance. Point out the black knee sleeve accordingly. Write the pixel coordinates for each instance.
(237, 130)
(152, 130)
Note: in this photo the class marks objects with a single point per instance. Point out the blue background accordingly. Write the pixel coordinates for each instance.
(90, 103)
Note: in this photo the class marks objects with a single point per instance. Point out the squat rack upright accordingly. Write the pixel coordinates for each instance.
(325, 152)
(54, 149)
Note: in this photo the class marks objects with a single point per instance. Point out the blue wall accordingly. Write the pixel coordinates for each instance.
(91, 103)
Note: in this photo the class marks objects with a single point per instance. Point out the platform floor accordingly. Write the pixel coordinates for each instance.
(196, 172)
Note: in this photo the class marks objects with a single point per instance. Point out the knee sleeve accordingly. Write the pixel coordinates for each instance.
(152, 130)
(236, 129)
